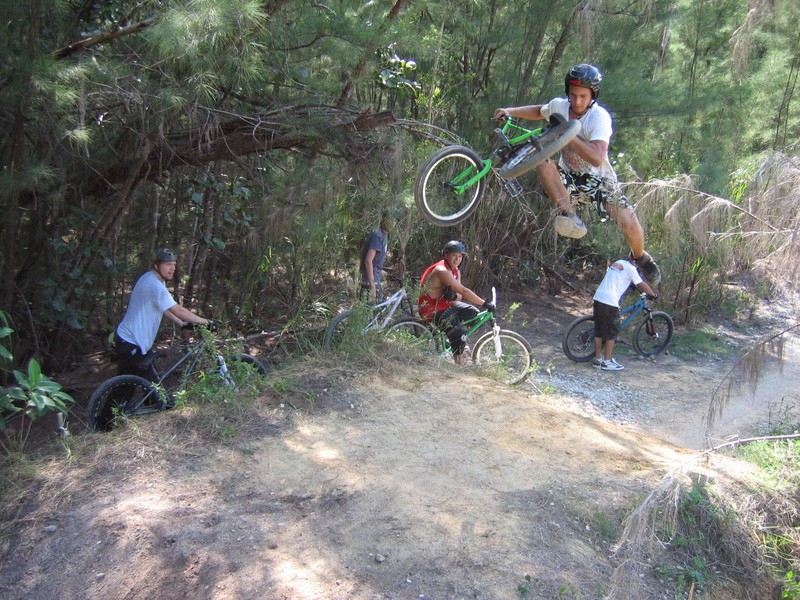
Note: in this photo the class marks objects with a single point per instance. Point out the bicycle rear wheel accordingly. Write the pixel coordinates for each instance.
(550, 142)
(654, 334)
(335, 332)
(513, 365)
(435, 187)
(578, 341)
(414, 333)
(122, 396)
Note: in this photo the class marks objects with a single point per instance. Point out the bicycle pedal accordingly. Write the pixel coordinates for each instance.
(512, 187)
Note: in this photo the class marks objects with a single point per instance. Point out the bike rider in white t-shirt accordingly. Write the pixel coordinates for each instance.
(584, 170)
(149, 301)
(605, 310)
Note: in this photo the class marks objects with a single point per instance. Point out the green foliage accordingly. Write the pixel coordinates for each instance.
(778, 462)
(523, 589)
(34, 394)
(704, 342)
(398, 72)
(606, 526)
(265, 232)
(791, 587)
(699, 523)
(5, 334)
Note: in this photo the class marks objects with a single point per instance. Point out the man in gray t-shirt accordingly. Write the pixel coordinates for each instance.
(373, 256)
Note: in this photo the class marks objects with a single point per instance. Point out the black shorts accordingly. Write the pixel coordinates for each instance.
(131, 361)
(606, 321)
(451, 320)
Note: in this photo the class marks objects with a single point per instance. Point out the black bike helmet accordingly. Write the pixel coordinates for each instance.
(454, 246)
(165, 255)
(584, 75)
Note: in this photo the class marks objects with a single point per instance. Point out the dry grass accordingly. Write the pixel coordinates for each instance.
(729, 518)
(756, 229)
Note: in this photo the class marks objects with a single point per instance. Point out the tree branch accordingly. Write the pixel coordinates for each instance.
(117, 32)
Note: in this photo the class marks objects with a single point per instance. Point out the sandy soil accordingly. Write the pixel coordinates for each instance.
(423, 482)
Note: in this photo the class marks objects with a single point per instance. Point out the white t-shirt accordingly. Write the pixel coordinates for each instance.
(149, 299)
(595, 125)
(618, 278)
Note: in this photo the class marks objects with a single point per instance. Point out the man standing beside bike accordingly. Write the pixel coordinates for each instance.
(442, 295)
(584, 169)
(373, 256)
(605, 310)
(149, 301)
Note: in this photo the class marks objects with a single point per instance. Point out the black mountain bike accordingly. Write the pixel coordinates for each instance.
(200, 362)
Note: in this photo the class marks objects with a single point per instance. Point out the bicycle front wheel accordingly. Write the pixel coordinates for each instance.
(244, 369)
(550, 142)
(654, 334)
(513, 364)
(578, 341)
(414, 333)
(435, 189)
(122, 396)
(334, 335)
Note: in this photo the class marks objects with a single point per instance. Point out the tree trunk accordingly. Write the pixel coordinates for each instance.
(362, 64)
(560, 46)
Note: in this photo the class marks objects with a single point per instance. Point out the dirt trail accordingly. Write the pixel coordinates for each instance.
(426, 482)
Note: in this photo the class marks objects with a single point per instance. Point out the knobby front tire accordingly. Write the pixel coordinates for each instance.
(550, 142)
(122, 396)
(578, 341)
(414, 333)
(434, 187)
(515, 361)
(243, 368)
(653, 338)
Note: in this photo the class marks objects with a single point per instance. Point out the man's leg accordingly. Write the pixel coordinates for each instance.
(623, 215)
(449, 321)
(568, 224)
(628, 222)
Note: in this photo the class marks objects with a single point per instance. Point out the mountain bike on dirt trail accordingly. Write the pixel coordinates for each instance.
(204, 366)
(501, 353)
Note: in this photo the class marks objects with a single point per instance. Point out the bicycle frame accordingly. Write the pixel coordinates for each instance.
(192, 351)
(488, 163)
(382, 317)
(632, 311)
(475, 323)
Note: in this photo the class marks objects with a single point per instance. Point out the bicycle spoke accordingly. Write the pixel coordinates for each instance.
(654, 334)
(414, 334)
(510, 362)
(442, 189)
(578, 342)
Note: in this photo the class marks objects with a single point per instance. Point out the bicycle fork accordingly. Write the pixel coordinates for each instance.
(223, 371)
(650, 327)
(498, 346)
